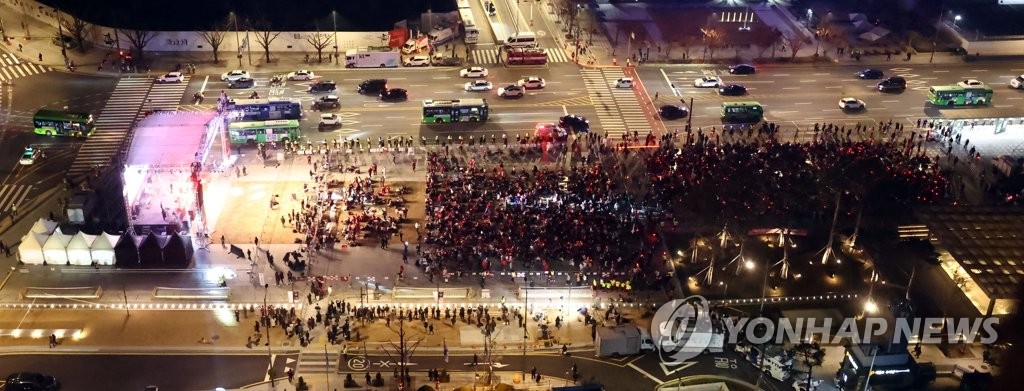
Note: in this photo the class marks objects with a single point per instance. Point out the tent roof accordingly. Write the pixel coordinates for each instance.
(33, 240)
(104, 241)
(44, 226)
(81, 241)
(57, 241)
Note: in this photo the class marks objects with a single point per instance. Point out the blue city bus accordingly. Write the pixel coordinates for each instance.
(266, 109)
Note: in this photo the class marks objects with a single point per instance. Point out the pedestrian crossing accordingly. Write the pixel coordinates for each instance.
(112, 124)
(165, 96)
(11, 195)
(11, 67)
(316, 362)
(629, 106)
(617, 108)
(493, 55)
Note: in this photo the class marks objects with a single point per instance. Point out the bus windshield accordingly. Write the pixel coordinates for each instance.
(62, 123)
(264, 131)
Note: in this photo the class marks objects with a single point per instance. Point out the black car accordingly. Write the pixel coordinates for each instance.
(372, 86)
(327, 102)
(742, 69)
(673, 112)
(394, 95)
(870, 74)
(732, 89)
(323, 86)
(893, 83)
(575, 123)
(29, 381)
(243, 82)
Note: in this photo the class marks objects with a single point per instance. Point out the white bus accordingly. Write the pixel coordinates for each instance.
(472, 32)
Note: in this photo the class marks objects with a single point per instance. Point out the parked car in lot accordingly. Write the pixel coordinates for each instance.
(327, 102)
(532, 82)
(743, 69)
(417, 61)
(511, 91)
(233, 75)
(574, 123)
(732, 89)
(707, 82)
(329, 121)
(851, 104)
(171, 77)
(243, 82)
(870, 74)
(671, 112)
(301, 75)
(478, 85)
(473, 72)
(394, 95)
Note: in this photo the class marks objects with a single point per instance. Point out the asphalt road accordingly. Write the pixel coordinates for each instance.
(94, 371)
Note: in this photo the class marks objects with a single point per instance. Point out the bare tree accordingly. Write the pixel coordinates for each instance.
(264, 35)
(404, 350)
(713, 39)
(319, 42)
(215, 37)
(795, 43)
(811, 355)
(768, 39)
(77, 28)
(139, 39)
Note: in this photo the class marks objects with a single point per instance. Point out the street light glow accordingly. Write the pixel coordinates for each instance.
(749, 264)
(870, 307)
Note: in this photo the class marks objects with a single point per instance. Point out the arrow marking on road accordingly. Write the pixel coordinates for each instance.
(681, 366)
(288, 360)
(500, 365)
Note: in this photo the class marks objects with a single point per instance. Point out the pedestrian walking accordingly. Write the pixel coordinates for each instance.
(40, 57)
(257, 241)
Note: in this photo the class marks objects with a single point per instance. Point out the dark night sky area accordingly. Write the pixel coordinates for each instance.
(353, 15)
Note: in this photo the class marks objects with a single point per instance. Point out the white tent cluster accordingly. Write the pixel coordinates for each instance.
(46, 243)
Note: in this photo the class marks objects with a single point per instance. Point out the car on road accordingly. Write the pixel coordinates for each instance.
(707, 82)
(301, 74)
(394, 95)
(511, 91)
(671, 112)
(742, 69)
(968, 83)
(30, 381)
(624, 82)
(372, 86)
(243, 82)
(473, 72)
(478, 85)
(171, 77)
(550, 132)
(233, 75)
(1017, 82)
(732, 89)
(327, 102)
(870, 74)
(893, 83)
(532, 82)
(323, 86)
(30, 155)
(329, 121)
(575, 123)
(417, 61)
(851, 104)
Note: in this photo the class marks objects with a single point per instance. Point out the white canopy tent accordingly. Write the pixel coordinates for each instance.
(102, 249)
(55, 248)
(44, 226)
(78, 249)
(30, 251)
(875, 34)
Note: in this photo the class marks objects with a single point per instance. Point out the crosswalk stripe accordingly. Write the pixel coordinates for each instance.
(315, 363)
(13, 195)
(114, 121)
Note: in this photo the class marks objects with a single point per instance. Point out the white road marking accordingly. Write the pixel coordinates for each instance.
(831, 87)
(784, 112)
(203, 87)
(940, 71)
(791, 88)
(781, 74)
(979, 70)
(1018, 98)
(890, 101)
(802, 103)
(1004, 106)
(822, 74)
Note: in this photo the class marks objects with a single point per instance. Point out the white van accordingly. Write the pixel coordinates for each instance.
(522, 39)
(1018, 82)
(414, 45)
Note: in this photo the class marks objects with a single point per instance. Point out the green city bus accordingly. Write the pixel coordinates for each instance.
(62, 123)
(955, 95)
(455, 110)
(264, 131)
(742, 111)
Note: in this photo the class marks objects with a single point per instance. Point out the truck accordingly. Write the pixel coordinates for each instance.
(414, 45)
(372, 57)
(442, 35)
(622, 341)
(525, 56)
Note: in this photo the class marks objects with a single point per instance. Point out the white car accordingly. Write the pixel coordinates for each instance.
(967, 83)
(30, 155)
(1017, 82)
(707, 82)
(479, 85)
(532, 82)
(624, 82)
(171, 77)
(851, 104)
(329, 120)
(234, 75)
(511, 91)
(418, 61)
(301, 75)
(473, 72)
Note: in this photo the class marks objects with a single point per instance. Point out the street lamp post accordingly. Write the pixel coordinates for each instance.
(238, 41)
(334, 18)
(935, 38)
(63, 48)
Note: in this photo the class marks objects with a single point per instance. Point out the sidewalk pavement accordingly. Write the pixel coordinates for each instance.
(458, 380)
